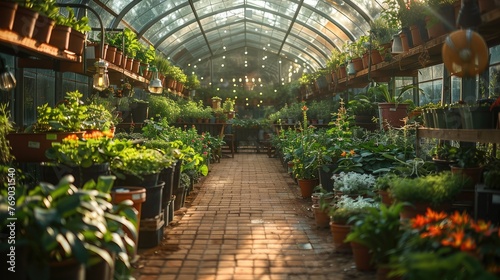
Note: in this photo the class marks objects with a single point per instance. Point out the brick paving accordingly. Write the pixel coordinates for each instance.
(246, 220)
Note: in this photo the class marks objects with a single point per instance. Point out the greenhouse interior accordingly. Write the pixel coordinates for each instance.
(250, 139)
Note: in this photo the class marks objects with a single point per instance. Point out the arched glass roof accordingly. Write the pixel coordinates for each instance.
(191, 32)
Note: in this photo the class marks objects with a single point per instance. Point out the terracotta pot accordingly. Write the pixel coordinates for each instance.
(7, 15)
(136, 64)
(392, 114)
(386, 198)
(97, 51)
(339, 233)
(307, 186)
(321, 217)
(118, 58)
(472, 174)
(60, 37)
(110, 54)
(404, 41)
(43, 29)
(31, 147)
(342, 72)
(358, 64)
(24, 21)
(417, 34)
(143, 69)
(76, 42)
(420, 208)
(129, 62)
(362, 257)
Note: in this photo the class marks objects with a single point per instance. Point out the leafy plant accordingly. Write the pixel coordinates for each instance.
(352, 183)
(67, 116)
(146, 54)
(57, 223)
(379, 229)
(72, 21)
(453, 246)
(139, 161)
(435, 189)
(5, 128)
(346, 207)
(94, 148)
(469, 156)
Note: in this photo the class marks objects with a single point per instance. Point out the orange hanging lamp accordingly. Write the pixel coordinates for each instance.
(465, 53)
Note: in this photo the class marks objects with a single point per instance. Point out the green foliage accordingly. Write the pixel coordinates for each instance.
(139, 161)
(379, 229)
(192, 82)
(56, 223)
(469, 156)
(146, 54)
(6, 127)
(81, 25)
(84, 153)
(162, 107)
(435, 189)
(68, 116)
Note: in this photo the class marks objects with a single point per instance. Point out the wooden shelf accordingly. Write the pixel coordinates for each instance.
(425, 55)
(16, 44)
(466, 135)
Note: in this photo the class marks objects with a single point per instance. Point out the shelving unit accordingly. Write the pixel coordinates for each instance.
(11, 42)
(465, 135)
(427, 54)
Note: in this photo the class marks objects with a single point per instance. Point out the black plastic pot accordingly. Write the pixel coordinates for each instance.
(52, 173)
(146, 181)
(152, 206)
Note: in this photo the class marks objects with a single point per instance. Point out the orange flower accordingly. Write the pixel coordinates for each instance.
(419, 221)
(433, 231)
(71, 137)
(459, 219)
(352, 152)
(434, 216)
(468, 245)
(304, 108)
(482, 226)
(343, 154)
(455, 239)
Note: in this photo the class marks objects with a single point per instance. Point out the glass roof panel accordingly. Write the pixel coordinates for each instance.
(303, 29)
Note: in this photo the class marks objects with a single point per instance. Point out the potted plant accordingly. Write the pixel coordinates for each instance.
(447, 245)
(354, 184)
(442, 24)
(492, 175)
(216, 102)
(343, 209)
(139, 166)
(228, 107)
(469, 164)
(53, 124)
(145, 56)
(61, 229)
(192, 83)
(364, 109)
(436, 191)
(86, 158)
(379, 231)
(71, 29)
(391, 110)
(443, 156)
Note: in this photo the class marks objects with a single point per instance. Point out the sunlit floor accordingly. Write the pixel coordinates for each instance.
(247, 221)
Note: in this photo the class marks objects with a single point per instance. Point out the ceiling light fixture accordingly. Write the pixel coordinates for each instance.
(7, 79)
(101, 78)
(155, 85)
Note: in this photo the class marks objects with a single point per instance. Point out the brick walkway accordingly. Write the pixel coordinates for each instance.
(246, 220)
